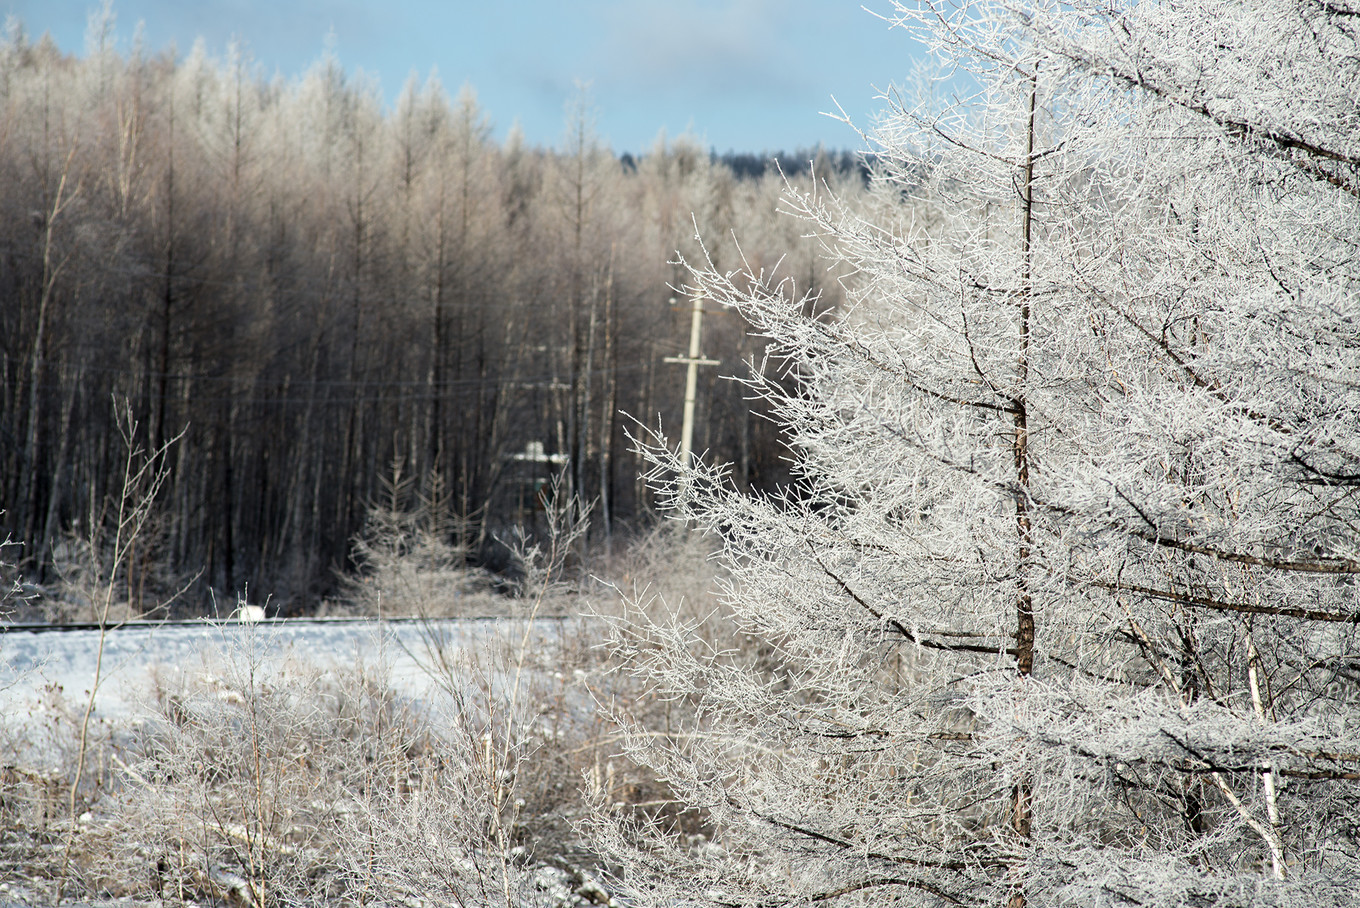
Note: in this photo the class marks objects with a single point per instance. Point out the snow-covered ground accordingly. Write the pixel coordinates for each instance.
(32, 664)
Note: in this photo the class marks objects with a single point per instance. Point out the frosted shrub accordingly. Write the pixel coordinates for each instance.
(410, 561)
(243, 783)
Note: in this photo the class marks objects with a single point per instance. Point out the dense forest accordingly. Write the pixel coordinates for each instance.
(1021, 569)
(300, 292)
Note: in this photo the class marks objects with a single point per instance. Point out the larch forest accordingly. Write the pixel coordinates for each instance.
(314, 295)
(1019, 568)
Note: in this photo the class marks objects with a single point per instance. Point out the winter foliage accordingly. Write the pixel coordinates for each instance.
(1061, 608)
(1058, 608)
(313, 288)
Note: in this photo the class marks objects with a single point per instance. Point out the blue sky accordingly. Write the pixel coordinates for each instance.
(748, 75)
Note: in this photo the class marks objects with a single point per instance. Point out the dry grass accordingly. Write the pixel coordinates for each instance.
(268, 780)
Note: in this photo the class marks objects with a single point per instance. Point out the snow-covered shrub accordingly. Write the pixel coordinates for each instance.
(241, 783)
(264, 776)
(412, 560)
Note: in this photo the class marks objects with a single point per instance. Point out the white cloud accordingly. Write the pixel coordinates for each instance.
(654, 46)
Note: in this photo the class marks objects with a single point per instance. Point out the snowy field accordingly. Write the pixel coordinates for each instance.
(35, 664)
(47, 676)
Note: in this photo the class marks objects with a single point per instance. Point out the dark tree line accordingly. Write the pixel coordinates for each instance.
(312, 292)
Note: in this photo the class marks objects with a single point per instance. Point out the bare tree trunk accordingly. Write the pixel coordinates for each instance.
(439, 355)
(1023, 808)
(43, 546)
(587, 367)
(37, 359)
(167, 294)
(609, 394)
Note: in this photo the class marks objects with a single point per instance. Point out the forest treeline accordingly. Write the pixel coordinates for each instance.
(309, 293)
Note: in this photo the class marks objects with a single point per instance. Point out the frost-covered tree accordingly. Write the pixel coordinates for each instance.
(1062, 607)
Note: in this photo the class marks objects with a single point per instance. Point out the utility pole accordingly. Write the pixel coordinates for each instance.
(693, 361)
